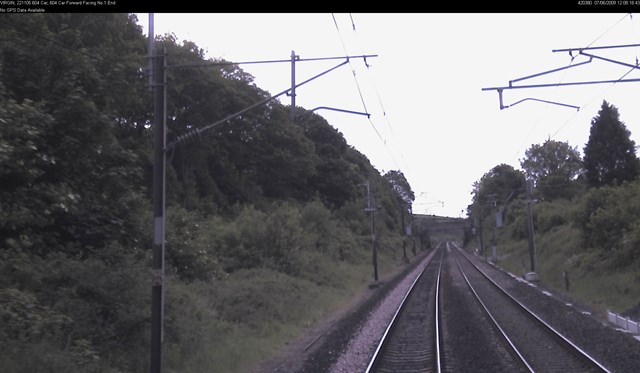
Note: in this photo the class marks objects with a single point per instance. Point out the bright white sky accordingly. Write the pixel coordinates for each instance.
(430, 117)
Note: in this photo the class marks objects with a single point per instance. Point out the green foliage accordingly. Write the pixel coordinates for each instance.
(262, 296)
(259, 239)
(70, 196)
(24, 319)
(325, 234)
(548, 216)
(608, 219)
(76, 175)
(610, 154)
(499, 184)
(586, 225)
(227, 325)
(340, 170)
(68, 298)
(288, 238)
(193, 327)
(190, 248)
(265, 223)
(516, 220)
(24, 160)
(493, 194)
(553, 166)
(593, 238)
(401, 187)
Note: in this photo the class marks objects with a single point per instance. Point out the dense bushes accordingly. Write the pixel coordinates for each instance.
(289, 238)
(609, 220)
(593, 239)
(265, 221)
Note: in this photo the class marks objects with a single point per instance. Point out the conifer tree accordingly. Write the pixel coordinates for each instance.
(610, 154)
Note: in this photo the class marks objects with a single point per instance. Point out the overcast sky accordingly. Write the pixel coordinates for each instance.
(425, 86)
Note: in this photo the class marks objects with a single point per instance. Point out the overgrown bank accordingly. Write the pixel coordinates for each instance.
(266, 227)
(585, 248)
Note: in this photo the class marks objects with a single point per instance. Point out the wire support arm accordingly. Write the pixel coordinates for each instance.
(199, 131)
(591, 56)
(334, 109)
(580, 51)
(539, 100)
(563, 84)
(549, 72)
(571, 50)
(298, 59)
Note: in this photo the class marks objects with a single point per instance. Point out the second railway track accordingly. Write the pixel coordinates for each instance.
(536, 344)
(455, 318)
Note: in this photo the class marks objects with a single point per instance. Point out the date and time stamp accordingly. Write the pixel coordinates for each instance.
(42, 6)
(607, 3)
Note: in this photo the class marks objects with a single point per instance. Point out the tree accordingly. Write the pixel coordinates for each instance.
(610, 154)
(553, 166)
(499, 184)
(256, 194)
(340, 169)
(401, 187)
(405, 197)
(71, 192)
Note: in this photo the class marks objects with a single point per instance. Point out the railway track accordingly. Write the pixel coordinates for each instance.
(411, 342)
(456, 318)
(533, 342)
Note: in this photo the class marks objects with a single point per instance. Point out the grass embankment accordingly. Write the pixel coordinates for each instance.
(234, 323)
(591, 280)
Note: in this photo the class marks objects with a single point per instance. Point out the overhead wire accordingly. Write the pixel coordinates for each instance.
(384, 142)
(353, 71)
(353, 25)
(382, 106)
(589, 102)
(380, 103)
(601, 93)
(609, 29)
(539, 118)
(384, 111)
(372, 81)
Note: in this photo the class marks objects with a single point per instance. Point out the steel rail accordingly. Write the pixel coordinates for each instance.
(513, 347)
(377, 354)
(580, 352)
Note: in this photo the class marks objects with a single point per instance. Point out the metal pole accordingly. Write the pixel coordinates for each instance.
(373, 245)
(403, 232)
(493, 244)
(413, 229)
(480, 231)
(158, 84)
(151, 49)
(293, 86)
(374, 253)
(532, 243)
(157, 290)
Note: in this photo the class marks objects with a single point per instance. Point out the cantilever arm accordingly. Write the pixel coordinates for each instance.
(536, 99)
